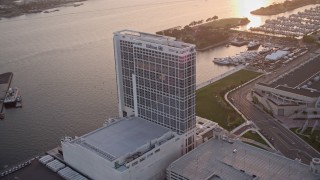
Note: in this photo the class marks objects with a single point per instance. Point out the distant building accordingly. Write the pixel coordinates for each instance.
(156, 93)
(276, 55)
(294, 93)
(224, 159)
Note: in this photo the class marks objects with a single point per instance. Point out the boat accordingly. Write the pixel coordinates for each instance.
(265, 50)
(238, 42)
(224, 61)
(77, 4)
(18, 102)
(12, 97)
(253, 45)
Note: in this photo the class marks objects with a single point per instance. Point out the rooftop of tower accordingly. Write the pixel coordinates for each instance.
(158, 39)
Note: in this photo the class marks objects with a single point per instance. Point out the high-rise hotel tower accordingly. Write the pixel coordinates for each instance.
(156, 79)
(156, 91)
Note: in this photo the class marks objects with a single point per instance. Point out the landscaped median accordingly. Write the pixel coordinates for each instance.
(210, 102)
(255, 137)
(312, 139)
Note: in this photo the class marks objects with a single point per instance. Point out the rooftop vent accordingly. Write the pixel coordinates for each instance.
(315, 166)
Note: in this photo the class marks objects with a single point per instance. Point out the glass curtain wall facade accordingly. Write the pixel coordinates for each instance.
(165, 88)
(156, 79)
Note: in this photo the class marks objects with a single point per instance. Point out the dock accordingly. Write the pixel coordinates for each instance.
(5, 82)
(49, 166)
(33, 169)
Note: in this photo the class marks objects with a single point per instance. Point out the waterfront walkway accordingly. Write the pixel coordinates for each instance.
(217, 78)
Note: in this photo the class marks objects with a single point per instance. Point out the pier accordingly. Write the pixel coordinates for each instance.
(5, 82)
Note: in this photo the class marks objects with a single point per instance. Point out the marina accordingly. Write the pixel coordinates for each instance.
(296, 25)
(263, 55)
(239, 59)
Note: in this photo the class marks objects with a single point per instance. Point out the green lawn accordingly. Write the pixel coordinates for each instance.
(255, 137)
(210, 103)
(312, 139)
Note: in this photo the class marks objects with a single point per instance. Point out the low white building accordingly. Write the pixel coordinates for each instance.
(127, 148)
(204, 130)
(228, 159)
(294, 93)
(276, 55)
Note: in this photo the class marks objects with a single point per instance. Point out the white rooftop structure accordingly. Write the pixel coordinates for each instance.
(69, 174)
(124, 147)
(55, 165)
(123, 137)
(219, 159)
(276, 55)
(157, 39)
(45, 159)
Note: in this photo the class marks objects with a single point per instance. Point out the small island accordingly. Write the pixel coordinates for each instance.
(278, 8)
(206, 34)
(9, 8)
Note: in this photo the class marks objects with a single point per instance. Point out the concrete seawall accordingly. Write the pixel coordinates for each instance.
(203, 84)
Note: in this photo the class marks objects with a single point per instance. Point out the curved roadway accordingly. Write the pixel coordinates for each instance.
(282, 138)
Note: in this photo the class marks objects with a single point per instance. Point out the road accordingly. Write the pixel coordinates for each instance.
(282, 138)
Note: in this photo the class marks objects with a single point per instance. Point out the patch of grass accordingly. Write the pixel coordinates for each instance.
(204, 35)
(255, 137)
(210, 102)
(312, 139)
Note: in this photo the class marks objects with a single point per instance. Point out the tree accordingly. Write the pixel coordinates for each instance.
(308, 39)
(176, 33)
(193, 23)
(187, 28)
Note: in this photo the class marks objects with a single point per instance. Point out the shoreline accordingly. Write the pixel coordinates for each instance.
(10, 9)
(213, 46)
(286, 6)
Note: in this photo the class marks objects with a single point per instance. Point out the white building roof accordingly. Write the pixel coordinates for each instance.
(153, 38)
(276, 55)
(122, 137)
(69, 174)
(222, 160)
